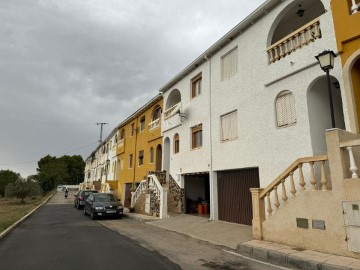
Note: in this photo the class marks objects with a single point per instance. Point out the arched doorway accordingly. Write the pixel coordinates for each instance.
(319, 111)
(166, 163)
(158, 158)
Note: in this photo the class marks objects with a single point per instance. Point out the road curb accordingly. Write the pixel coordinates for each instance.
(9, 229)
(283, 259)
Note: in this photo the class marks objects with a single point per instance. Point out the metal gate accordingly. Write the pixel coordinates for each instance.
(234, 197)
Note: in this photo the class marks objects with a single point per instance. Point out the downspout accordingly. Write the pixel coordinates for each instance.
(134, 161)
(208, 59)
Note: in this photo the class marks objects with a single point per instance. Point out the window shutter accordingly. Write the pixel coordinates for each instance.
(229, 126)
(285, 109)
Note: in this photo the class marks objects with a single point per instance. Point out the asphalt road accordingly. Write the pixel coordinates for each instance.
(58, 236)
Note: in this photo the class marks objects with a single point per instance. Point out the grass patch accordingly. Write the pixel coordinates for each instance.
(11, 210)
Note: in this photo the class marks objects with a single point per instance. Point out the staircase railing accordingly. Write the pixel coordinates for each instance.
(285, 181)
(158, 197)
(161, 176)
(177, 191)
(349, 145)
(139, 190)
(289, 174)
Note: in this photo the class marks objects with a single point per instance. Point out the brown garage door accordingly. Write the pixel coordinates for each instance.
(234, 197)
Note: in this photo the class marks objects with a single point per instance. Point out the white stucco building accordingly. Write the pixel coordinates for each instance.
(250, 105)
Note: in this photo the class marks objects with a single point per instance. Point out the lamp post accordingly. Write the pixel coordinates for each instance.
(326, 61)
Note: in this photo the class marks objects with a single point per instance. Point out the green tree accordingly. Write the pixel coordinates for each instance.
(64, 170)
(19, 189)
(6, 177)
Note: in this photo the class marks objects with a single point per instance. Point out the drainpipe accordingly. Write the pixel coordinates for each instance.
(134, 161)
(208, 59)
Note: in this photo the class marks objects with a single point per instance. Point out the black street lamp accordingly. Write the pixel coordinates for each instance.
(326, 61)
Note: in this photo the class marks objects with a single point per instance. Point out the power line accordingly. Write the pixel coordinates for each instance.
(34, 161)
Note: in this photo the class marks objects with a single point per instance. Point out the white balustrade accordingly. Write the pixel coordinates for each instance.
(298, 39)
(271, 195)
(154, 124)
(140, 190)
(355, 7)
(160, 192)
(173, 110)
(350, 147)
(120, 143)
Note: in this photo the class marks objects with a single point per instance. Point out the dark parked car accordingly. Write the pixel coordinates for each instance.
(81, 196)
(103, 204)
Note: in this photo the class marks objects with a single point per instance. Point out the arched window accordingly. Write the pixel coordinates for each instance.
(116, 139)
(285, 109)
(151, 155)
(156, 113)
(176, 143)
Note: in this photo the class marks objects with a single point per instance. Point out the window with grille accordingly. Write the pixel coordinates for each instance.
(196, 136)
(141, 158)
(229, 126)
(196, 86)
(142, 123)
(285, 109)
(229, 64)
(176, 143)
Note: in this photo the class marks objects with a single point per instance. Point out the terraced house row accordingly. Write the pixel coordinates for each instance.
(253, 131)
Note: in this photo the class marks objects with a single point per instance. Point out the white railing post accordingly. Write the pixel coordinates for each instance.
(353, 167)
(354, 7)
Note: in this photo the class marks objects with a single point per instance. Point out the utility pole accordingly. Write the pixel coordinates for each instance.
(101, 130)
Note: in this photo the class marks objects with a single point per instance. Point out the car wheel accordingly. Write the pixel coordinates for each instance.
(85, 214)
(119, 216)
(92, 215)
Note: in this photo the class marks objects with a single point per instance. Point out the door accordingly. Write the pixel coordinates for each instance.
(234, 196)
(127, 200)
(158, 158)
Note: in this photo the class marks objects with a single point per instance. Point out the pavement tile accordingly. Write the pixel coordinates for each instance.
(341, 261)
(355, 265)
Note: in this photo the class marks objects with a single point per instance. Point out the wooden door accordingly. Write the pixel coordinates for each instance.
(234, 196)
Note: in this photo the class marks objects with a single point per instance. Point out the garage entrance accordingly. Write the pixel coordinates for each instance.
(197, 194)
(234, 196)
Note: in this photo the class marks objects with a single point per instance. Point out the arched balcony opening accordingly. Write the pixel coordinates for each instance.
(295, 27)
(155, 118)
(173, 103)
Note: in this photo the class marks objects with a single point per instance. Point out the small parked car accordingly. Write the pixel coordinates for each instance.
(102, 205)
(59, 188)
(81, 196)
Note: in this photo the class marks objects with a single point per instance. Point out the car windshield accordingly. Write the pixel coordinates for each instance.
(105, 198)
(87, 193)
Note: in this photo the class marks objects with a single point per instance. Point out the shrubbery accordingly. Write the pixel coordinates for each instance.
(22, 189)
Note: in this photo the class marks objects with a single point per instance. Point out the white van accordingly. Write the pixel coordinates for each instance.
(59, 188)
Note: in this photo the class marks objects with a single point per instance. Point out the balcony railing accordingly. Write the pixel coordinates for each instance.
(120, 143)
(294, 41)
(172, 111)
(350, 147)
(355, 8)
(154, 124)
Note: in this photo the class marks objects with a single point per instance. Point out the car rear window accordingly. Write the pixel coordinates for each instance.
(105, 198)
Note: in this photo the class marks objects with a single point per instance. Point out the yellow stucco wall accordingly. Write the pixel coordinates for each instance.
(347, 33)
(141, 140)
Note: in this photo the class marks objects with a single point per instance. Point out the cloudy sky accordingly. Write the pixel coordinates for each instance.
(67, 64)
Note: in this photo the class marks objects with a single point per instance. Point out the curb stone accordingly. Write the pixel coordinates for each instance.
(9, 229)
(286, 260)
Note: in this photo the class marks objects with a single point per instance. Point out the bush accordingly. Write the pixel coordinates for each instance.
(22, 189)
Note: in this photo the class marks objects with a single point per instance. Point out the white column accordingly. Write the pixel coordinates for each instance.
(214, 213)
(163, 203)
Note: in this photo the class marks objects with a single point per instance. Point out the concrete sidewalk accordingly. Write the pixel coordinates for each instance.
(239, 238)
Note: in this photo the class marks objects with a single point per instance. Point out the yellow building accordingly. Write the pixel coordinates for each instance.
(139, 147)
(346, 14)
